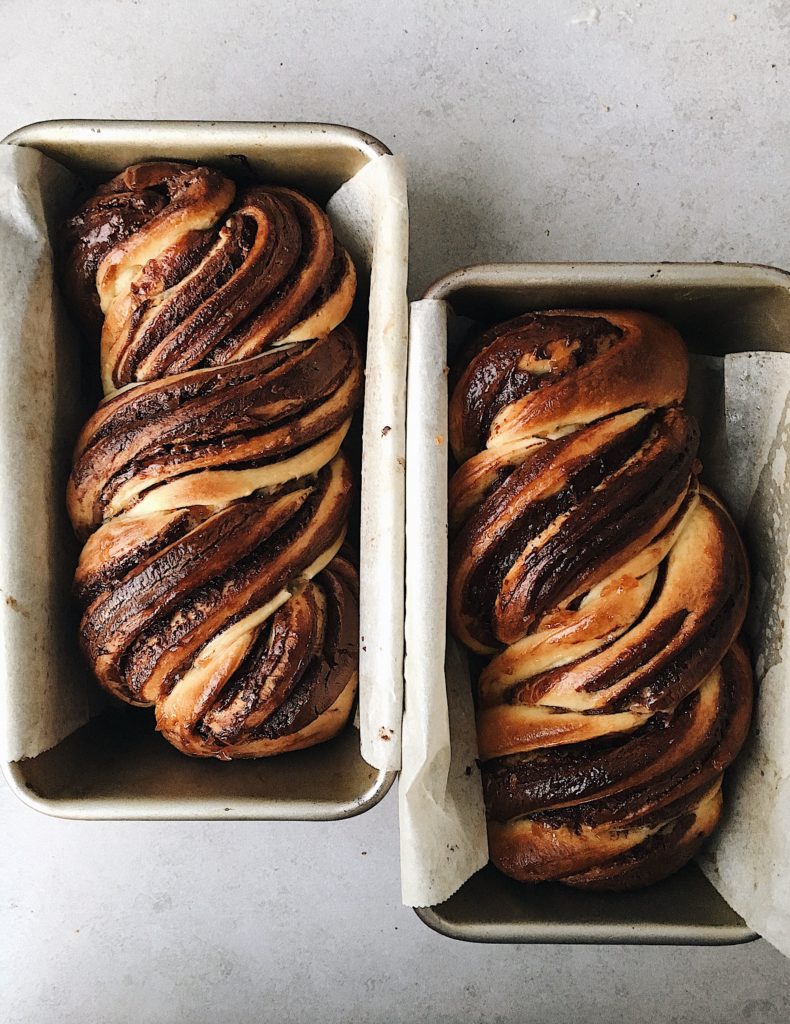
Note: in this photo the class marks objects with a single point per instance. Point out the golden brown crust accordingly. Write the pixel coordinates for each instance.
(210, 489)
(215, 434)
(541, 372)
(284, 685)
(608, 590)
(186, 277)
(607, 855)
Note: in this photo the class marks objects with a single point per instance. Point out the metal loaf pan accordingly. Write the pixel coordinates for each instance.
(718, 309)
(116, 766)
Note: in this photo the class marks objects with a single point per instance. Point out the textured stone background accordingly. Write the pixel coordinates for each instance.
(541, 131)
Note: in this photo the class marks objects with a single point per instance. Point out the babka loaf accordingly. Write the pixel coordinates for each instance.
(603, 589)
(210, 487)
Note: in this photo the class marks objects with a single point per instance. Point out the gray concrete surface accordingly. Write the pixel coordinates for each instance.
(543, 130)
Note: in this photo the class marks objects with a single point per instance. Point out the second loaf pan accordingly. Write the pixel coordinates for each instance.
(718, 309)
(116, 766)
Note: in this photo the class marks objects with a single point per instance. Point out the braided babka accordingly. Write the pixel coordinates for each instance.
(210, 487)
(605, 588)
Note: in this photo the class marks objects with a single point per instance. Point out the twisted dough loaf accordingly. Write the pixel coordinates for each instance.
(209, 486)
(607, 588)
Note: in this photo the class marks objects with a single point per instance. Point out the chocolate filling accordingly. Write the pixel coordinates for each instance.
(495, 379)
(594, 776)
(608, 500)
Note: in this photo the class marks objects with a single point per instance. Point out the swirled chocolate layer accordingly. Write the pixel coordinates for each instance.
(186, 277)
(283, 410)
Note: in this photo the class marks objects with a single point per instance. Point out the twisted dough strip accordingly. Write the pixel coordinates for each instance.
(209, 486)
(607, 588)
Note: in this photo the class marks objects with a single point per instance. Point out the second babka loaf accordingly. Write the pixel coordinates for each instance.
(605, 588)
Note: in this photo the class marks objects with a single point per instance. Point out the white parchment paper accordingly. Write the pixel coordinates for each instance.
(742, 402)
(370, 216)
(45, 690)
(748, 859)
(43, 696)
(442, 817)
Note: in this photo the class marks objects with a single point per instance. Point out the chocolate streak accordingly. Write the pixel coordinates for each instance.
(495, 377)
(609, 498)
(250, 413)
(620, 774)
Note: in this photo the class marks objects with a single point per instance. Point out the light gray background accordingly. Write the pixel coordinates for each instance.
(652, 130)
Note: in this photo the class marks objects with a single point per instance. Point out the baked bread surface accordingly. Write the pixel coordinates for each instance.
(603, 589)
(210, 487)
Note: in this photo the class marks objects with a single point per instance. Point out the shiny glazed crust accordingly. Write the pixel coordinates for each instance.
(210, 487)
(606, 589)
